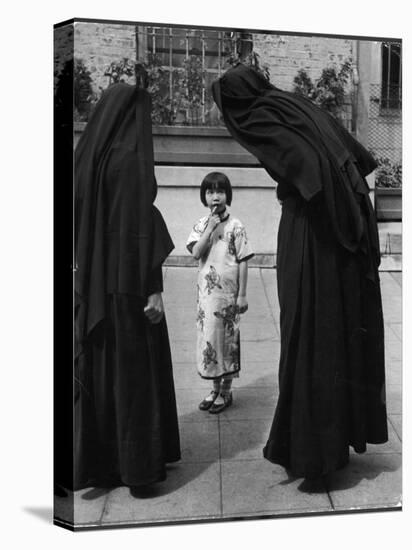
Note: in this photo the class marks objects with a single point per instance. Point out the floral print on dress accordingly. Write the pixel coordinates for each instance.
(234, 353)
(231, 243)
(240, 234)
(229, 316)
(212, 279)
(200, 317)
(236, 239)
(209, 355)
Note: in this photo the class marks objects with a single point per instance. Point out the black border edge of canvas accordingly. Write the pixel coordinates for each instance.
(212, 520)
(63, 309)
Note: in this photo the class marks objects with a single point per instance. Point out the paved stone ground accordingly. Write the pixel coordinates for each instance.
(222, 473)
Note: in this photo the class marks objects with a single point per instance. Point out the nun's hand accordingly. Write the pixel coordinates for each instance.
(154, 309)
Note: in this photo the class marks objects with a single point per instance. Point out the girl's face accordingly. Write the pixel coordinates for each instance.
(216, 198)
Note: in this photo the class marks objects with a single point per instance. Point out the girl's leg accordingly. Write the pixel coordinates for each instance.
(216, 385)
(226, 384)
(225, 389)
(210, 399)
(224, 399)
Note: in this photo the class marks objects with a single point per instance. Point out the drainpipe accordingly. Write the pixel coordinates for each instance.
(355, 83)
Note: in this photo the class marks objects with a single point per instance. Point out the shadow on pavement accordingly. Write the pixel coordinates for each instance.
(182, 473)
(355, 472)
(96, 492)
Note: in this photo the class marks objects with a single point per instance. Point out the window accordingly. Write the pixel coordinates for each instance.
(391, 88)
(182, 63)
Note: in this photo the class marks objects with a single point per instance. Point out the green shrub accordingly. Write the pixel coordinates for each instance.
(328, 91)
(84, 97)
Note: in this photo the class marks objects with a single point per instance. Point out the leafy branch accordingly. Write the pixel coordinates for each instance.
(329, 90)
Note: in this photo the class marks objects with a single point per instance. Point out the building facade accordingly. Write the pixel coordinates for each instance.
(189, 136)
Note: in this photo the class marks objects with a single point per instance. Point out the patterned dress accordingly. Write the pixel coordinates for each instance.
(218, 341)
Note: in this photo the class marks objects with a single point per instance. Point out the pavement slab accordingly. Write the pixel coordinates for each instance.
(369, 481)
(392, 312)
(181, 331)
(266, 350)
(394, 399)
(391, 303)
(188, 402)
(183, 351)
(392, 332)
(181, 314)
(393, 373)
(252, 403)
(393, 351)
(396, 329)
(251, 375)
(243, 439)
(251, 330)
(186, 377)
(191, 491)
(396, 421)
(258, 487)
(89, 506)
(397, 276)
(199, 441)
(390, 278)
(257, 374)
(222, 472)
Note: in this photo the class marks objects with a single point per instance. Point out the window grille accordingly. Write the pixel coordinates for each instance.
(182, 64)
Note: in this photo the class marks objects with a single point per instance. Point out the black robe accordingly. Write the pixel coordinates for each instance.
(126, 426)
(331, 369)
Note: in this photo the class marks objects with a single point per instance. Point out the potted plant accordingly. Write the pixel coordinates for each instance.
(388, 189)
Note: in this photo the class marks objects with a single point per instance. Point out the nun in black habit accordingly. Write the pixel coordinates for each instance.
(331, 369)
(126, 426)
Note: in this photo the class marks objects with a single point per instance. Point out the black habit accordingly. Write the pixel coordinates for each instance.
(331, 369)
(126, 426)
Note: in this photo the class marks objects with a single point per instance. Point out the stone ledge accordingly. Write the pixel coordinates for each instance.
(259, 260)
(179, 177)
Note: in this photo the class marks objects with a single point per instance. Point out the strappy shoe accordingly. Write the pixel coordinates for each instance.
(227, 401)
(207, 403)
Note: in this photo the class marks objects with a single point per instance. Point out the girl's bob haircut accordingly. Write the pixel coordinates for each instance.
(216, 180)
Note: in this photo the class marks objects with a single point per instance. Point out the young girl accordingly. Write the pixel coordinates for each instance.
(220, 244)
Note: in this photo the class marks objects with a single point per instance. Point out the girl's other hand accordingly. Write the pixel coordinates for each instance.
(154, 309)
(242, 304)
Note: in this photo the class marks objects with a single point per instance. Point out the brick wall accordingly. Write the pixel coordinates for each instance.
(99, 44)
(285, 55)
